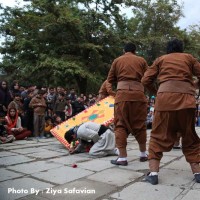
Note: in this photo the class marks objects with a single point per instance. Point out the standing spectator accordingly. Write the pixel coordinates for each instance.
(39, 106)
(14, 89)
(90, 98)
(13, 125)
(174, 107)
(130, 109)
(72, 95)
(78, 106)
(51, 99)
(59, 89)
(177, 143)
(59, 107)
(17, 103)
(149, 119)
(68, 109)
(26, 91)
(5, 97)
(28, 112)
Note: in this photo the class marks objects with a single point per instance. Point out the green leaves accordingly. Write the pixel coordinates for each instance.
(75, 41)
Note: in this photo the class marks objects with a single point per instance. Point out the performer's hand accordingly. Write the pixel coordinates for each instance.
(20, 129)
(71, 150)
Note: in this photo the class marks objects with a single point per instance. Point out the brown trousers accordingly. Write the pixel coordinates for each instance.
(130, 117)
(39, 125)
(165, 127)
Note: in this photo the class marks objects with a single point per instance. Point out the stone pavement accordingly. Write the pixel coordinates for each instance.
(43, 171)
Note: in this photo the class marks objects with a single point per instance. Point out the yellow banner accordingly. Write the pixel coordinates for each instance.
(101, 113)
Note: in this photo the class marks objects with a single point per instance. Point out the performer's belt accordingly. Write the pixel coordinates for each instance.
(177, 87)
(102, 130)
(130, 85)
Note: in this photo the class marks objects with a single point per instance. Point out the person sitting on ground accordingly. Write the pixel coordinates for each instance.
(48, 126)
(102, 137)
(57, 120)
(13, 125)
(4, 137)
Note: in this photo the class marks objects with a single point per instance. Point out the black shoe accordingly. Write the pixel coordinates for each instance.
(176, 147)
(115, 162)
(143, 159)
(197, 178)
(152, 179)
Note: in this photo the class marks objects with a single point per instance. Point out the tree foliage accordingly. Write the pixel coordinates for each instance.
(153, 24)
(66, 42)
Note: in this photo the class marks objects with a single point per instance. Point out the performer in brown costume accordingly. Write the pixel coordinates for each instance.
(105, 90)
(174, 107)
(130, 109)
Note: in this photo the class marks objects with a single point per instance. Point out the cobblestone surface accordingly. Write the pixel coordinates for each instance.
(43, 170)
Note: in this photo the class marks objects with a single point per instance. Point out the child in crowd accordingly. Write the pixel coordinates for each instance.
(57, 120)
(48, 126)
(13, 125)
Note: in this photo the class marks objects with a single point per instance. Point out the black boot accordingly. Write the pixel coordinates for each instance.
(152, 179)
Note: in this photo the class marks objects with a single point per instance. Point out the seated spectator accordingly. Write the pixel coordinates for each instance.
(14, 127)
(101, 136)
(48, 126)
(57, 120)
(4, 137)
(92, 102)
(17, 103)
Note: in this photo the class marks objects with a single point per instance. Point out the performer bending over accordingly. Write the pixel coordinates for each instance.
(103, 139)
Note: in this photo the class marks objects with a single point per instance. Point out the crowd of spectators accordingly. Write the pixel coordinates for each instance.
(39, 109)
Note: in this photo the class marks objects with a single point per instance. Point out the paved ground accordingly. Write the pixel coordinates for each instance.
(43, 170)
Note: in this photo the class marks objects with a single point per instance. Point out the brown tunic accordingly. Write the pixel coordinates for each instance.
(175, 105)
(130, 101)
(173, 67)
(38, 105)
(128, 67)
